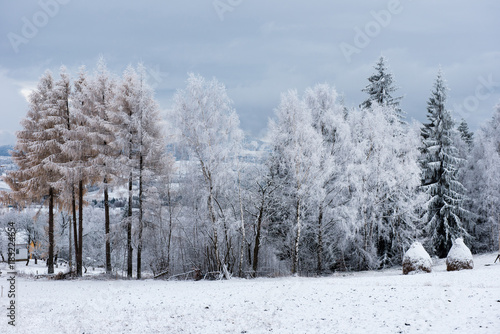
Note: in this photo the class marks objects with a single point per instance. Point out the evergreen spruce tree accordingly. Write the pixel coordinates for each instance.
(381, 88)
(466, 135)
(440, 165)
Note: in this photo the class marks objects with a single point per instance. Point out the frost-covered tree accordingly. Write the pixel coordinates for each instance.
(80, 166)
(295, 164)
(151, 161)
(259, 192)
(482, 179)
(125, 125)
(66, 185)
(37, 153)
(381, 89)
(361, 206)
(440, 165)
(161, 207)
(463, 141)
(208, 129)
(75, 150)
(328, 120)
(102, 135)
(140, 140)
(383, 176)
(466, 135)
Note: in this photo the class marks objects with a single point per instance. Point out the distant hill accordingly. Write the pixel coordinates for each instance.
(4, 150)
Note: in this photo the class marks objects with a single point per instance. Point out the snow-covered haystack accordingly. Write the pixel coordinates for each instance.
(459, 257)
(416, 259)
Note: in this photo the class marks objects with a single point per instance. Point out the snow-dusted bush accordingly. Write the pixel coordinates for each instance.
(459, 257)
(416, 259)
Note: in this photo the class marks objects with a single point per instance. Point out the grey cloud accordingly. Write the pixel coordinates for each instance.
(262, 48)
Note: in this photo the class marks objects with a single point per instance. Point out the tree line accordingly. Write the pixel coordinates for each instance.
(334, 188)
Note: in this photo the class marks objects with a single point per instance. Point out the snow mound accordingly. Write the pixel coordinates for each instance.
(416, 259)
(459, 257)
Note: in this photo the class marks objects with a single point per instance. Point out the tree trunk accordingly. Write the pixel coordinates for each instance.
(79, 270)
(170, 220)
(257, 238)
(139, 242)
(75, 226)
(129, 229)
(106, 227)
(229, 248)
(73, 200)
(50, 261)
(320, 240)
(243, 238)
(295, 264)
(70, 246)
(214, 225)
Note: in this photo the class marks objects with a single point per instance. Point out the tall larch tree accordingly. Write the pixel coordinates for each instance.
(66, 185)
(37, 153)
(125, 123)
(152, 161)
(104, 151)
(79, 152)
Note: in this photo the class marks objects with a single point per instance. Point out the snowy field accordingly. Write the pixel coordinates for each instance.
(367, 302)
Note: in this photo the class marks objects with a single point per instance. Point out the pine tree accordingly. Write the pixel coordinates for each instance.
(440, 166)
(381, 88)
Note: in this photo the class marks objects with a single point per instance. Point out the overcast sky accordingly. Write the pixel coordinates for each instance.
(259, 49)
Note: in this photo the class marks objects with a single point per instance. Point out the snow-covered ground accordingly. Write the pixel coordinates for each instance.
(368, 302)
